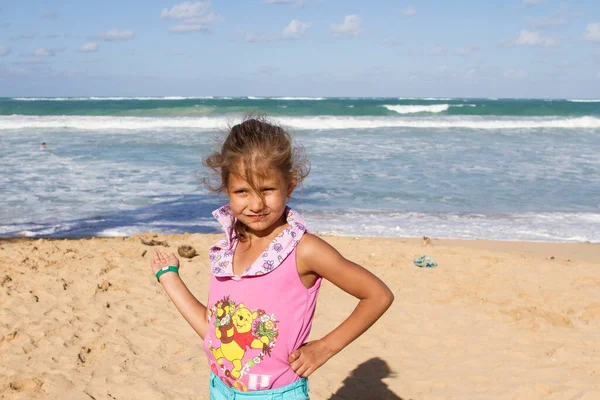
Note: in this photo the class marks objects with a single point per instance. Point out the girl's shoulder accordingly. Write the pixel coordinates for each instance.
(313, 251)
(308, 243)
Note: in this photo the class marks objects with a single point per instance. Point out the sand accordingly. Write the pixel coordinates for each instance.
(86, 319)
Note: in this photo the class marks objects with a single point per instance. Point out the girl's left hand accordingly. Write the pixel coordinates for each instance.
(309, 357)
(160, 259)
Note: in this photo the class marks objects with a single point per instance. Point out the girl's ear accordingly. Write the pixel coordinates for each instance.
(292, 186)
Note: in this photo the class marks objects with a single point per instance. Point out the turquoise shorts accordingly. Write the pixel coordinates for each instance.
(294, 391)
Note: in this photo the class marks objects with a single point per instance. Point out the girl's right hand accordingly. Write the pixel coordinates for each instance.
(160, 260)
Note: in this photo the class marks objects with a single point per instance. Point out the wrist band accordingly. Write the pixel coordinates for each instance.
(170, 268)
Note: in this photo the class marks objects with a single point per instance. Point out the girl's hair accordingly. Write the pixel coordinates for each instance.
(250, 149)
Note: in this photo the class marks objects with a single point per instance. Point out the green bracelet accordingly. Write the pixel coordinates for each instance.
(170, 268)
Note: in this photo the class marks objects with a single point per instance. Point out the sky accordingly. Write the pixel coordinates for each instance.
(508, 48)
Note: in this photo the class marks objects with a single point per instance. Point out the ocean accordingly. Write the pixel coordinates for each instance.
(500, 169)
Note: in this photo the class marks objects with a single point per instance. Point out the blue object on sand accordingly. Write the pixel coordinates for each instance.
(424, 262)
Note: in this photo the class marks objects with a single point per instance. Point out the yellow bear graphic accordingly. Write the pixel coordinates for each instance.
(236, 340)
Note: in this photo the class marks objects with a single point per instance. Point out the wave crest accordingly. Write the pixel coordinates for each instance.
(435, 108)
(104, 123)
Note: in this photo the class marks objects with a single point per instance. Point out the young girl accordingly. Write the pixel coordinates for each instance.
(266, 274)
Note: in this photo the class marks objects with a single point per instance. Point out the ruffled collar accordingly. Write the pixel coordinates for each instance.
(221, 254)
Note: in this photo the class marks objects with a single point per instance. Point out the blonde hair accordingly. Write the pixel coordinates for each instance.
(250, 149)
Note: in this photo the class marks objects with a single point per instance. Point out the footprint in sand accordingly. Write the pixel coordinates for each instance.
(83, 354)
(6, 280)
(103, 287)
(20, 385)
(9, 337)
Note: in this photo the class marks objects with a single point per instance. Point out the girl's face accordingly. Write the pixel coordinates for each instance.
(258, 213)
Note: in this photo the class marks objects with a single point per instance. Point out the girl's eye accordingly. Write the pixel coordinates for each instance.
(268, 189)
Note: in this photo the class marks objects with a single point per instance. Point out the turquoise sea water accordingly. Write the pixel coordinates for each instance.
(295, 106)
(510, 169)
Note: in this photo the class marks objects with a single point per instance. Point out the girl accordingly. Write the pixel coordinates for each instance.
(265, 275)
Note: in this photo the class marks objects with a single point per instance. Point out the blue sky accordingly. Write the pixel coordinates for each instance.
(509, 48)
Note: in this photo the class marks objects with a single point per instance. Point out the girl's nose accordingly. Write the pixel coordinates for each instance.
(256, 203)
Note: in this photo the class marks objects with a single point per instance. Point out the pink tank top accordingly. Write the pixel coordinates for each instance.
(257, 320)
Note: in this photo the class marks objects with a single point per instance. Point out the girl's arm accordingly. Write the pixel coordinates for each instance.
(192, 310)
(315, 256)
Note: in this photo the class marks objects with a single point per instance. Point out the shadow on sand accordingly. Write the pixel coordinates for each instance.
(365, 382)
(191, 213)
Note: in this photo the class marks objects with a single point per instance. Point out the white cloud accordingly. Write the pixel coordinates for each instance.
(251, 38)
(45, 52)
(4, 50)
(116, 34)
(193, 17)
(532, 38)
(186, 10)
(467, 50)
(592, 32)
(409, 11)
(185, 28)
(294, 30)
(515, 74)
(88, 48)
(470, 72)
(350, 27)
(296, 3)
(531, 2)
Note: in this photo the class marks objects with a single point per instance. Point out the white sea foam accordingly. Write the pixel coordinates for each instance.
(331, 122)
(113, 123)
(436, 108)
(584, 101)
(95, 182)
(108, 123)
(555, 227)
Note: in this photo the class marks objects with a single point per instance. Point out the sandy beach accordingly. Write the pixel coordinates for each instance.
(86, 319)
